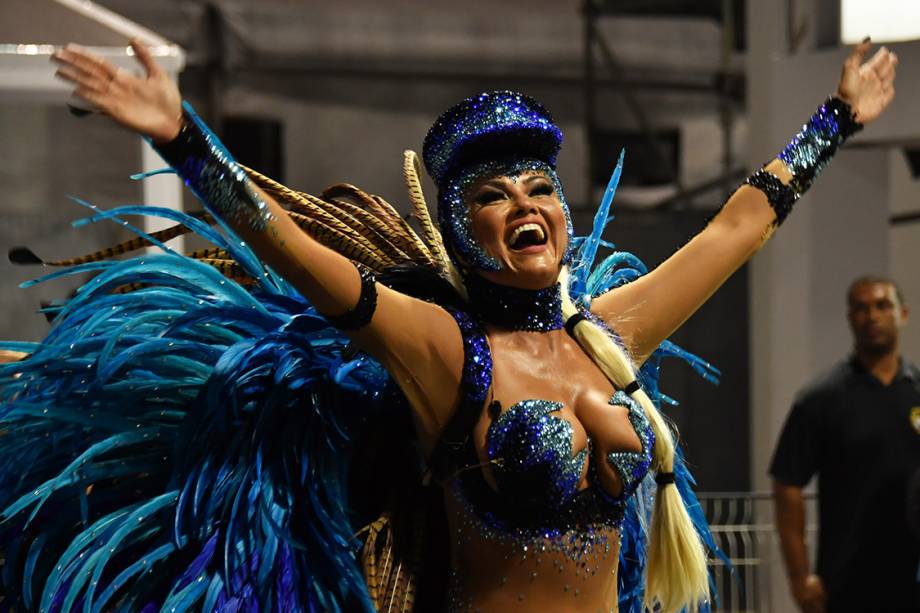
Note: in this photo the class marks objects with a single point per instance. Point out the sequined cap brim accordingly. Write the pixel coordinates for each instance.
(486, 126)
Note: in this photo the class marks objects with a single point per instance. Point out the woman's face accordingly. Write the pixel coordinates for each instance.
(519, 221)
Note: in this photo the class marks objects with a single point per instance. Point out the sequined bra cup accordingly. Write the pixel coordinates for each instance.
(529, 447)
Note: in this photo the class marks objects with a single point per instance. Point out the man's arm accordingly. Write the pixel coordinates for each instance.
(806, 587)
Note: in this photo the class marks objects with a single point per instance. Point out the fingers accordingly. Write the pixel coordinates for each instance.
(87, 81)
(886, 69)
(887, 97)
(859, 52)
(76, 56)
(145, 58)
(879, 59)
(96, 99)
(80, 78)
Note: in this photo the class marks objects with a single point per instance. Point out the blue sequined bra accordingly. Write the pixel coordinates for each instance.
(530, 453)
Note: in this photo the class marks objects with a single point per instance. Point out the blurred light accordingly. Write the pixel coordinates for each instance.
(14, 49)
(886, 21)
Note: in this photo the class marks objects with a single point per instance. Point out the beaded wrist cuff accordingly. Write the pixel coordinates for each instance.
(781, 197)
(361, 314)
(213, 175)
(813, 147)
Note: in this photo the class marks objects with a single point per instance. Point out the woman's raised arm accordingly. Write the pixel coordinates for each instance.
(648, 310)
(415, 340)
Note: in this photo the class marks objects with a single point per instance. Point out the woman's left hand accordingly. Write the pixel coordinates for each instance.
(868, 87)
(149, 104)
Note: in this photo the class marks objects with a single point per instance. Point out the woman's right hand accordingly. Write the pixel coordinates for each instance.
(810, 595)
(149, 105)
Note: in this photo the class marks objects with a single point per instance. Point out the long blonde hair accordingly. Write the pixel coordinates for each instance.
(676, 574)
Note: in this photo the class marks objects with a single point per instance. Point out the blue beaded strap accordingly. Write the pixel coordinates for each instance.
(476, 380)
(213, 175)
(812, 148)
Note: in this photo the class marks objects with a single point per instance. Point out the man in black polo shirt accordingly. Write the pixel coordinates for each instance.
(858, 428)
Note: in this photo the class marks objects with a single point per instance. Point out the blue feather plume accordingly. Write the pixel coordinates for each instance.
(185, 445)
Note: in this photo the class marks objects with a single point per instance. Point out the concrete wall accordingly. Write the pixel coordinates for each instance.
(839, 230)
(47, 154)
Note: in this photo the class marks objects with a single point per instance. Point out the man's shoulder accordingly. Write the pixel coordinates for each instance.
(911, 369)
(827, 383)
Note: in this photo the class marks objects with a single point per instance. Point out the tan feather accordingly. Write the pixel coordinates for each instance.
(364, 208)
(411, 171)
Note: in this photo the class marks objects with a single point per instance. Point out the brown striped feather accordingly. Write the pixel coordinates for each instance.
(397, 228)
(411, 173)
(124, 247)
(402, 235)
(360, 250)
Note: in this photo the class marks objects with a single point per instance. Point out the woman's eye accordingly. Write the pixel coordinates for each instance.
(488, 197)
(544, 189)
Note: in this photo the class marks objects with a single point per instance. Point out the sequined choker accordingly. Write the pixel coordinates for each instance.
(514, 308)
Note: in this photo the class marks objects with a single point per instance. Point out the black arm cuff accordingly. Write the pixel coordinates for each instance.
(362, 313)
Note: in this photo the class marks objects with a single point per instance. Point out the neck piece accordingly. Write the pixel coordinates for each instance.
(514, 308)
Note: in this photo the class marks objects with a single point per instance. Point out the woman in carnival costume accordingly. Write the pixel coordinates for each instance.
(182, 437)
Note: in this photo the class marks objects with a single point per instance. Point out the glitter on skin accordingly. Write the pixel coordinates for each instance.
(454, 213)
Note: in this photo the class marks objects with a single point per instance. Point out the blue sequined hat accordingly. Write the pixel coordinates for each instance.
(490, 134)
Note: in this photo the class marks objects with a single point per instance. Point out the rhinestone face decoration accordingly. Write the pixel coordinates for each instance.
(454, 213)
(492, 134)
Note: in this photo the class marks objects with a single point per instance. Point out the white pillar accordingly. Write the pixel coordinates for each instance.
(161, 190)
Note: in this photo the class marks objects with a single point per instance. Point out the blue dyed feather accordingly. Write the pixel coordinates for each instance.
(200, 430)
(202, 374)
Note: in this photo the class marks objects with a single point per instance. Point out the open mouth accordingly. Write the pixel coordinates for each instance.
(528, 235)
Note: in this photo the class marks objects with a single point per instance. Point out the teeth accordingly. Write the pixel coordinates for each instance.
(526, 228)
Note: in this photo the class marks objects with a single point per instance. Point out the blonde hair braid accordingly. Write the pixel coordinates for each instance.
(676, 575)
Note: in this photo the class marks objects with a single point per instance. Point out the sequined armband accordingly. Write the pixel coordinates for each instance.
(807, 155)
(213, 175)
(781, 197)
(813, 147)
(361, 314)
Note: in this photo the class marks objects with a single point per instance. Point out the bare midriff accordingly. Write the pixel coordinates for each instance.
(490, 574)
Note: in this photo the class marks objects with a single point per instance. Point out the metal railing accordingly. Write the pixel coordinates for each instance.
(743, 527)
